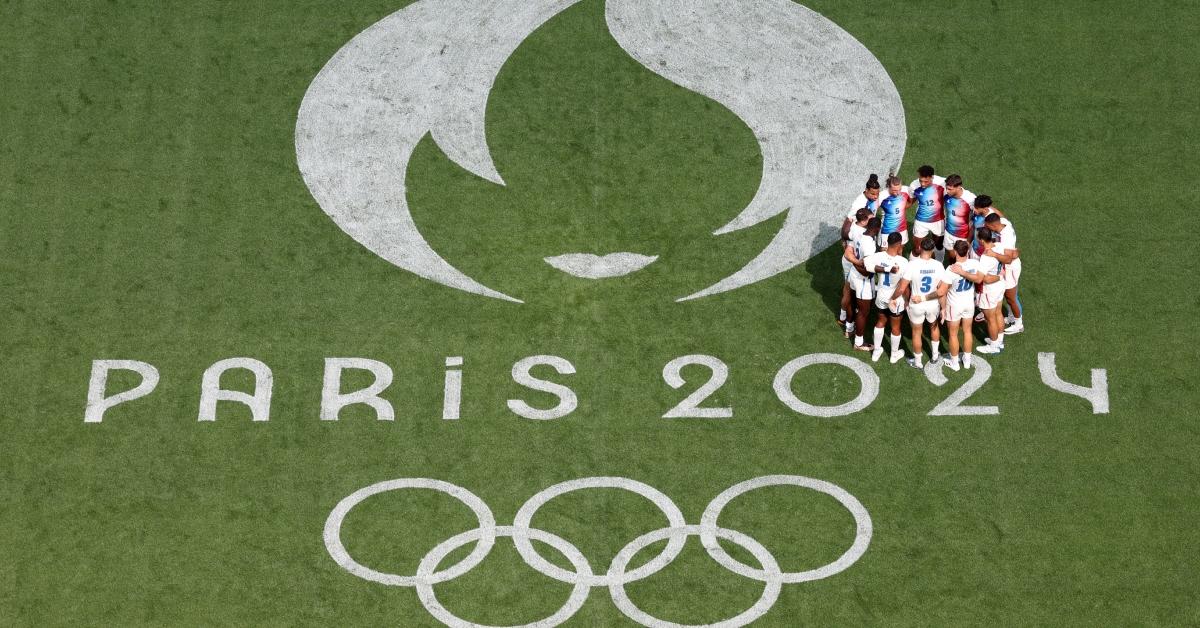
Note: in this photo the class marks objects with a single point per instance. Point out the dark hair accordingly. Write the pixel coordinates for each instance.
(953, 180)
(895, 238)
(862, 214)
(874, 224)
(893, 180)
(962, 248)
(925, 171)
(873, 182)
(927, 243)
(992, 219)
(985, 235)
(983, 200)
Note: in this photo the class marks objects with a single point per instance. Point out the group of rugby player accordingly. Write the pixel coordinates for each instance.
(964, 256)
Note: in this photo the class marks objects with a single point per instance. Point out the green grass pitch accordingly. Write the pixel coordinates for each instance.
(152, 210)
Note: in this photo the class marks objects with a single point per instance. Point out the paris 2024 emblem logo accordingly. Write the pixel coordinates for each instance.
(821, 106)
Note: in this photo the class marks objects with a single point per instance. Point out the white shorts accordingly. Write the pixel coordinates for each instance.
(990, 299)
(922, 229)
(847, 268)
(965, 311)
(949, 240)
(883, 302)
(1012, 274)
(924, 312)
(883, 237)
(863, 288)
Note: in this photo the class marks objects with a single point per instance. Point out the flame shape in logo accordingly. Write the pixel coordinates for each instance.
(824, 111)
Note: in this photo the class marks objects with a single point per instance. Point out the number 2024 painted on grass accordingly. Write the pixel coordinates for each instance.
(333, 399)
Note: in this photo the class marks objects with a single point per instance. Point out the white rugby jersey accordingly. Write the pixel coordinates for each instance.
(885, 283)
(924, 275)
(962, 290)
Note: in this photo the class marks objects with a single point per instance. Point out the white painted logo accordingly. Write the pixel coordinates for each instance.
(822, 107)
(583, 578)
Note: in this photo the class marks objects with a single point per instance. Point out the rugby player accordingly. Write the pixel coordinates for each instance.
(991, 295)
(868, 199)
(860, 279)
(889, 267)
(922, 277)
(894, 211)
(928, 192)
(1015, 323)
(846, 315)
(957, 291)
(957, 208)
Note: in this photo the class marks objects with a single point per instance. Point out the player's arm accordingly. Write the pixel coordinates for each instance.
(902, 287)
(1006, 257)
(846, 224)
(853, 259)
(975, 277)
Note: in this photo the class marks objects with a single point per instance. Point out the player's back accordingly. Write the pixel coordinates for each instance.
(962, 290)
(923, 275)
(885, 281)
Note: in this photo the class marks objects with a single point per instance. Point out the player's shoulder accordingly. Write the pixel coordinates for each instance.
(859, 202)
(968, 196)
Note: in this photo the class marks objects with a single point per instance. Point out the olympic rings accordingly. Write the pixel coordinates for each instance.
(584, 578)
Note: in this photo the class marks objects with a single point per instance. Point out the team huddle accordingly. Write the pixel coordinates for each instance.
(964, 258)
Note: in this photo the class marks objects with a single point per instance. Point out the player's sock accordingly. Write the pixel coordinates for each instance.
(989, 341)
(935, 345)
(858, 341)
(849, 327)
(895, 343)
(842, 315)
(967, 360)
(953, 363)
(878, 336)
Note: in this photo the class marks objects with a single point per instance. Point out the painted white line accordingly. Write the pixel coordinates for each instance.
(867, 378)
(259, 401)
(589, 266)
(98, 403)
(863, 528)
(1097, 394)
(524, 519)
(952, 406)
(333, 400)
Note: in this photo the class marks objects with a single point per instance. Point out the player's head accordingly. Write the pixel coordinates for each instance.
(874, 225)
(894, 184)
(895, 241)
(872, 189)
(925, 175)
(927, 246)
(863, 215)
(954, 185)
(986, 237)
(992, 222)
(962, 248)
(983, 204)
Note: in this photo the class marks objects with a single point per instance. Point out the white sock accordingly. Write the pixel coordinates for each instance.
(989, 341)
(858, 340)
(967, 359)
(842, 315)
(917, 359)
(934, 346)
(878, 336)
(1019, 321)
(895, 343)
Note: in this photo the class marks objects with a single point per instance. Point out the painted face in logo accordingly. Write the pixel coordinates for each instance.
(802, 87)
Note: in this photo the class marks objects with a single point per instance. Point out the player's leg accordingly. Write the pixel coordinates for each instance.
(918, 333)
(861, 314)
(1012, 278)
(953, 326)
(846, 314)
(935, 340)
(880, 323)
(895, 319)
(968, 343)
